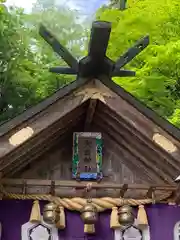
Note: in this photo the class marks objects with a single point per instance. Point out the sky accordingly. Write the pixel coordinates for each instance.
(86, 6)
(26, 4)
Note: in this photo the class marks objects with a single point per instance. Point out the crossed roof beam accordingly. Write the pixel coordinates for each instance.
(96, 63)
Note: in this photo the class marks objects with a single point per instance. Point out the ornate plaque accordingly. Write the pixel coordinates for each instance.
(87, 155)
(132, 233)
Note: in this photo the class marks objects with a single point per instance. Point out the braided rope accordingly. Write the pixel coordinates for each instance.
(76, 204)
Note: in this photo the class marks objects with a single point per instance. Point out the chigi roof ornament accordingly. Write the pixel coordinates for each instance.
(96, 64)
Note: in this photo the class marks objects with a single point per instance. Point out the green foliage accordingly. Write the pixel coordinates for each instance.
(158, 67)
(26, 57)
(13, 90)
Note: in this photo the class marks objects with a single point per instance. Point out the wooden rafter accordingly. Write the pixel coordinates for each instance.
(134, 161)
(33, 111)
(60, 137)
(119, 119)
(128, 143)
(41, 125)
(129, 160)
(141, 108)
(136, 143)
(20, 165)
(34, 144)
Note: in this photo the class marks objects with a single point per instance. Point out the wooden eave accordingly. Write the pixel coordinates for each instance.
(95, 105)
(143, 109)
(33, 111)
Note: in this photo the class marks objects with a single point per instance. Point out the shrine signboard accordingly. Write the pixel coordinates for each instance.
(87, 155)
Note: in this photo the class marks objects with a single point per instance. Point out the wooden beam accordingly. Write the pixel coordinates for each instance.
(58, 47)
(99, 38)
(90, 113)
(76, 189)
(71, 193)
(82, 185)
(132, 52)
(63, 70)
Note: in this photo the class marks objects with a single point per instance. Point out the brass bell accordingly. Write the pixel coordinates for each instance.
(89, 213)
(126, 216)
(49, 213)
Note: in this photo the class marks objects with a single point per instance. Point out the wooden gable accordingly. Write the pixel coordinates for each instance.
(134, 137)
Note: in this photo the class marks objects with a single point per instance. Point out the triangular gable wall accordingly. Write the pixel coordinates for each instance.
(122, 123)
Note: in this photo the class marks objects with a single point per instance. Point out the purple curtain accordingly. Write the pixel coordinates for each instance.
(13, 214)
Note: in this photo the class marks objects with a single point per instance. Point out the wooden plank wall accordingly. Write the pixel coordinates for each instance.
(56, 165)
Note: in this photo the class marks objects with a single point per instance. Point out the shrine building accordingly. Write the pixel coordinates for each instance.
(91, 161)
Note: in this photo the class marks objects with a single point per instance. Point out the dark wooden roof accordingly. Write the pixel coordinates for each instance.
(146, 111)
(29, 113)
(94, 105)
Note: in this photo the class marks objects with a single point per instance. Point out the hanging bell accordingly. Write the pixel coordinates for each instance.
(89, 213)
(126, 216)
(49, 213)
